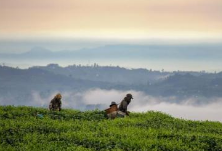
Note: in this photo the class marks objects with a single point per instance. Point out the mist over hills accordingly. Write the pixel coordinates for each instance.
(40, 83)
(158, 83)
(170, 57)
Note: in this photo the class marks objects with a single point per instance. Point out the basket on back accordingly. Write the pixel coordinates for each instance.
(111, 109)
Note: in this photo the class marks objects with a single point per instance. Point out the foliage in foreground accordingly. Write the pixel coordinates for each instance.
(21, 129)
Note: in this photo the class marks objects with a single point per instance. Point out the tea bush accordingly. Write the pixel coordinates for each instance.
(22, 129)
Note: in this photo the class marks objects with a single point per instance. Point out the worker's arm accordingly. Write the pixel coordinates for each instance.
(50, 105)
(60, 105)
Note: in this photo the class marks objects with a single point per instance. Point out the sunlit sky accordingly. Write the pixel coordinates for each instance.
(111, 18)
(60, 25)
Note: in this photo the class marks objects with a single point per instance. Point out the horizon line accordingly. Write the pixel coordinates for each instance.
(115, 66)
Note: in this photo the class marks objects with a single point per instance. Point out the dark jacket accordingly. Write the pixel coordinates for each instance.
(123, 105)
(55, 104)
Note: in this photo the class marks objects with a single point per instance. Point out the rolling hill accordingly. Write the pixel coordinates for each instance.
(22, 129)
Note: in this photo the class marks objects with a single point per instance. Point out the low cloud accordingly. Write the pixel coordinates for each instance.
(190, 108)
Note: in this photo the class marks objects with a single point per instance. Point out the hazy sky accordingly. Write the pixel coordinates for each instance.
(74, 24)
(111, 19)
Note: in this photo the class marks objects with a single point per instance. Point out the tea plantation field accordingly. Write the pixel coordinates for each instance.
(24, 129)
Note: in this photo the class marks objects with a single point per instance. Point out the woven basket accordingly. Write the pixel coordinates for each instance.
(111, 109)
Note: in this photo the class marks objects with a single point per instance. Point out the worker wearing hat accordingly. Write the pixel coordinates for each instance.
(112, 111)
(123, 105)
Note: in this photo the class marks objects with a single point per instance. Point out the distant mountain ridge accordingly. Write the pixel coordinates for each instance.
(38, 50)
(204, 51)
